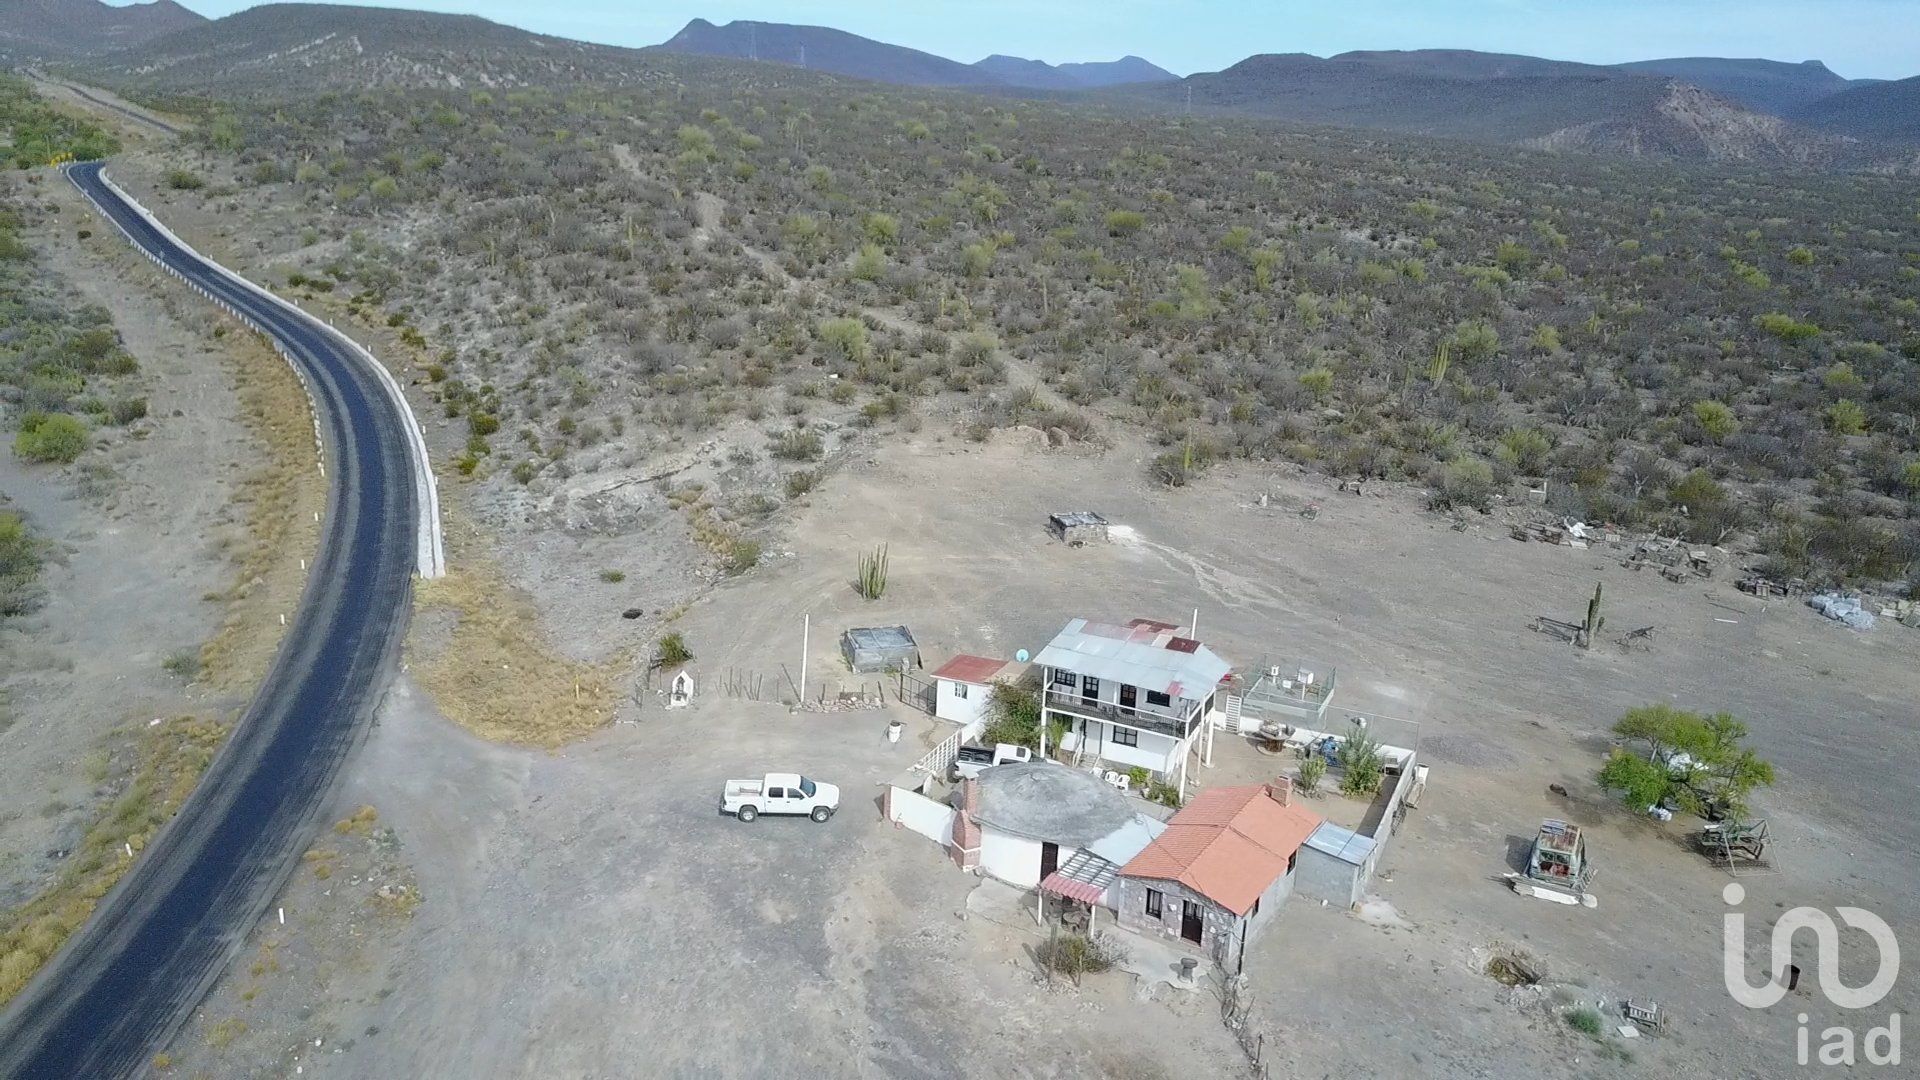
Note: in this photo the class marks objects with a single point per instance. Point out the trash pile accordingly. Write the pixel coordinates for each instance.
(1841, 608)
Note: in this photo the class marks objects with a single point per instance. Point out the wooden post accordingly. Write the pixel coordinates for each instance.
(806, 630)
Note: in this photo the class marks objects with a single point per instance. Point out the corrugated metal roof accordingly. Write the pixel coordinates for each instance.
(1343, 844)
(970, 669)
(1142, 655)
(1084, 877)
(1229, 844)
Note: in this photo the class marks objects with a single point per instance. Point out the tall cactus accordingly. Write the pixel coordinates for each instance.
(872, 579)
(1591, 628)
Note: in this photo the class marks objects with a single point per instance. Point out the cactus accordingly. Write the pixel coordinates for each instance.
(872, 578)
(1591, 628)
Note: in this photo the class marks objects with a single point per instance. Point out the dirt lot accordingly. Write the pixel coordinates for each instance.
(575, 901)
(151, 528)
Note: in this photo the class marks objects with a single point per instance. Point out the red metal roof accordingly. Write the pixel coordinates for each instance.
(1228, 844)
(970, 669)
(1059, 884)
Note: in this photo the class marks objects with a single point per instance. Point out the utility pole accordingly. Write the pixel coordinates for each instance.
(806, 629)
(803, 54)
(1189, 99)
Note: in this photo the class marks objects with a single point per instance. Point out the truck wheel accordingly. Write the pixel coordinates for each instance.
(746, 813)
(820, 813)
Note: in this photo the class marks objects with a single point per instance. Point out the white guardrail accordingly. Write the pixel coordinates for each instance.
(431, 556)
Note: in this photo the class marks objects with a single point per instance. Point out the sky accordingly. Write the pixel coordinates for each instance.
(1857, 38)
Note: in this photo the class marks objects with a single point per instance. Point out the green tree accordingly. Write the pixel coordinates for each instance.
(845, 338)
(1694, 762)
(1362, 765)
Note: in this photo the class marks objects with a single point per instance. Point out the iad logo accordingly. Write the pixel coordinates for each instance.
(1881, 1046)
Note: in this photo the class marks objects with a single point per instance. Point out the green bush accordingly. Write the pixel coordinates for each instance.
(1467, 483)
(1312, 770)
(182, 180)
(1362, 765)
(20, 555)
(672, 650)
(50, 437)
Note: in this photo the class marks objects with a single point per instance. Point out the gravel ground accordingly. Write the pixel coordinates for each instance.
(588, 914)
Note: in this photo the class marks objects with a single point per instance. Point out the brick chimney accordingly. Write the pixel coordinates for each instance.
(1280, 790)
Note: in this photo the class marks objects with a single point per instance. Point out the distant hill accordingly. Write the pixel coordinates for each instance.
(1771, 86)
(1507, 99)
(821, 48)
(77, 27)
(1888, 111)
(321, 45)
(1040, 75)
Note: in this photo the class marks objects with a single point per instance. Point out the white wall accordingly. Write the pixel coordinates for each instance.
(1014, 859)
(949, 705)
(1158, 753)
(933, 820)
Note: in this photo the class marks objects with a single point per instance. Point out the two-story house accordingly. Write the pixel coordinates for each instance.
(1134, 696)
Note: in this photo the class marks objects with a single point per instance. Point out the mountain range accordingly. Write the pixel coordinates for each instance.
(1707, 108)
(822, 48)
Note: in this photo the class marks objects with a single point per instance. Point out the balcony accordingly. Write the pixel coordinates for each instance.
(1143, 717)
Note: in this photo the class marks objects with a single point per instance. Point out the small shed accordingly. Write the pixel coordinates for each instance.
(1078, 527)
(871, 649)
(963, 687)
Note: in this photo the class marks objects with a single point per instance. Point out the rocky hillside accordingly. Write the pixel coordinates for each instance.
(1507, 99)
(70, 27)
(323, 45)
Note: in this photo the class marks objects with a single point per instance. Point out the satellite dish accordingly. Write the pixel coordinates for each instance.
(1021, 656)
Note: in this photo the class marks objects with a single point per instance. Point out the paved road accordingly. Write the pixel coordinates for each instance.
(107, 1003)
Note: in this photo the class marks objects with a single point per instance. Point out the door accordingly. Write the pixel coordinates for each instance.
(1129, 697)
(1190, 922)
(1089, 689)
(1049, 859)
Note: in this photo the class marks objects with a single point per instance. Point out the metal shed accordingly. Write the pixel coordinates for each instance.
(1078, 527)
(870, 649)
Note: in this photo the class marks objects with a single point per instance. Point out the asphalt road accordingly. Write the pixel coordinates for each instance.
(107, 1003)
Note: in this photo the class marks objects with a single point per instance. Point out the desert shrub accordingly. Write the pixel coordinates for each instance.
(671, 650)
(1585, 1020)
(50, 437)
(742, 555)
(1075, 955)
(1312, 771)
(800, 482)
(183, 180)
(1466, 484)
(798, 444)
(20, 556)
(1124, 222)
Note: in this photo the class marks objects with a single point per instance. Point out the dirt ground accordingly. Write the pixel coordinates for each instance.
(151, 527)
(577, 901)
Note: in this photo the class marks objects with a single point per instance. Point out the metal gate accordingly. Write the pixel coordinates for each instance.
(917, 692)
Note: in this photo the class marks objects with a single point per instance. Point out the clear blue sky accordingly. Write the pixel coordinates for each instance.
(1857, 38)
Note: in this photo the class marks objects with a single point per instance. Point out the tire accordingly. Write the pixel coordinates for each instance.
(746, 813)
(820, 814)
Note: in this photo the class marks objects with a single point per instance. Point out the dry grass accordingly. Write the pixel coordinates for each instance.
(281, 497)
(167, 763)
(494, 674)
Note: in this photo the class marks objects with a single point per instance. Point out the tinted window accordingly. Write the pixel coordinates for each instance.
(806, 787)
(776, 793)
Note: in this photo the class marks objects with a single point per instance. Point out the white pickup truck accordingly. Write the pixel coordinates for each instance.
(779, 793)
(974, 760)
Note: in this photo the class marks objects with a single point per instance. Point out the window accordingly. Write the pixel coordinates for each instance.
(807, 787)
(1159, 700)
(1153, 903)
(776, 793)
(960, 690)
(1064, 678)
(1125, 736)
(1089, 687)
